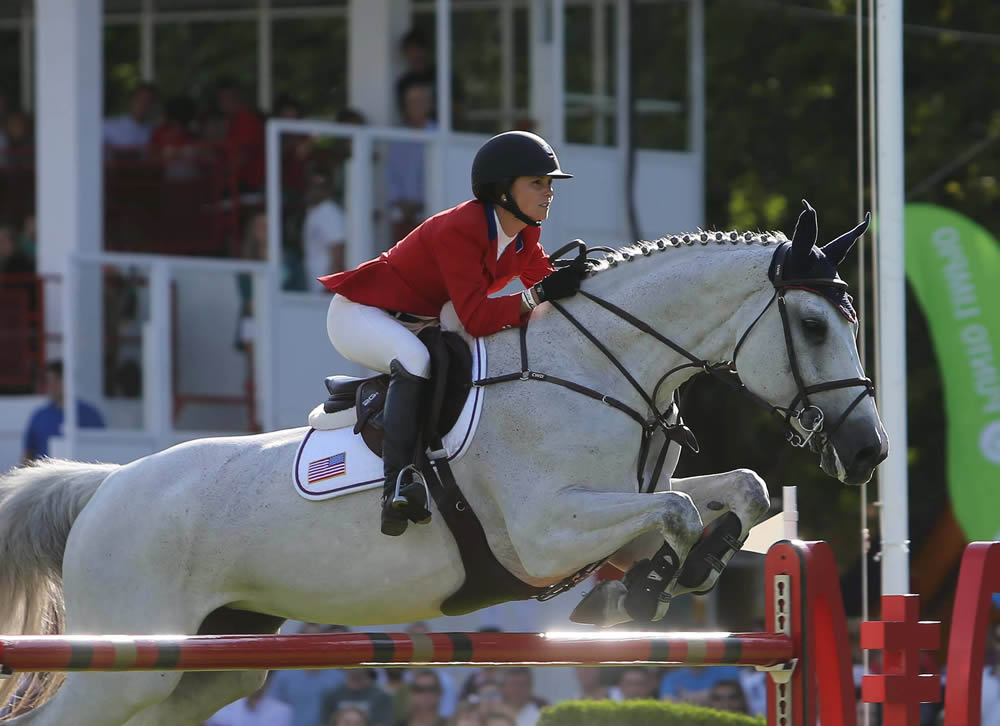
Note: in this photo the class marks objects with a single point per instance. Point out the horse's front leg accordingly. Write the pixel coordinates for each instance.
(579, 526)
(735, 501)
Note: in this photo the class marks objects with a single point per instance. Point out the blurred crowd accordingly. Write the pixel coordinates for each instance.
(470, 696)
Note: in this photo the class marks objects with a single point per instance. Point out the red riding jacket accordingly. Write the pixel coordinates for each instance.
(451, 256)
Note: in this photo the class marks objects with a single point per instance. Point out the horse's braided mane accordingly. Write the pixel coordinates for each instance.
(701, 238)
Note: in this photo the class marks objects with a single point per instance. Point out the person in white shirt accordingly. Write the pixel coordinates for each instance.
(323, 232)
(133, 129)
(257, 709)
(517, 687)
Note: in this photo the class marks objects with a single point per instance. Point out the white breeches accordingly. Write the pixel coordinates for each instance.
(371, 337)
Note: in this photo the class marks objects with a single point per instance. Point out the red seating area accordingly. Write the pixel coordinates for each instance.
(189, 206)
(22, 345)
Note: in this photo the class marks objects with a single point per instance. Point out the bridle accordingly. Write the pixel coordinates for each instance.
(794, 411)
(800, 408)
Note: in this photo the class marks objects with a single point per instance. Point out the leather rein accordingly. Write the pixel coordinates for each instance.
(799, 407)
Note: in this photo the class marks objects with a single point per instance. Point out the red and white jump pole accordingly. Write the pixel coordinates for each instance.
(805, 648)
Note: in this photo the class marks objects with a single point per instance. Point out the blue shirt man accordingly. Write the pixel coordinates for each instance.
(47, 421)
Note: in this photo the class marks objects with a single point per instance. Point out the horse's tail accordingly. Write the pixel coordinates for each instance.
(38, 505)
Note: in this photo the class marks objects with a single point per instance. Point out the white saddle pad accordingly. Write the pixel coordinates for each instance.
(331, 463)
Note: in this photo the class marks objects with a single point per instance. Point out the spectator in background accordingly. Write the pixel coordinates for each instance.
(517, 687)
(635, 682)
(324, 232)
(419, 58)
(466, 714)
(13, 261)
(303, 690)
(991, 678)
(19, 139)
(257, 709)
(449, 691)
(244, 135)
(495, 717)
(47, 421)
(405, 159)
(174, 141)
(3, 118)
(589, 680)
(359, 691)
(350, 716)
(296, 150)
(424, 700)
(692, 685)
(131, 131)
(727, 695)
(28, 241)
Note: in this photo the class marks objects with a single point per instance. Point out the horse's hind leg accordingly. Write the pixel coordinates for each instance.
(100, 699)
(736, 500)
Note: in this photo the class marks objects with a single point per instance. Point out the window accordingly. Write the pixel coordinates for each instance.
(191, 57)
(310, 63)
(121, 66)
(10, 67)
(660, 47)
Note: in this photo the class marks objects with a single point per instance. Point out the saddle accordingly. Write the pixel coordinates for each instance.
(486, 582)
(451, 372)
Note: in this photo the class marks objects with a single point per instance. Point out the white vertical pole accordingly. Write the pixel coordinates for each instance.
(68, 129)
(147, 42)
(70, 309)
(442, 21)
(375, 27)
(790, 512)
(360, 227)
(434, 194)
(891, 297)
(267, 298)
(158, 363)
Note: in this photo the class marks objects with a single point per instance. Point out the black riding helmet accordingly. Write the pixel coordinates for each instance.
(504, 158)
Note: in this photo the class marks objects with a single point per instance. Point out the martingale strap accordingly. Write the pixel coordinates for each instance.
(676, 432)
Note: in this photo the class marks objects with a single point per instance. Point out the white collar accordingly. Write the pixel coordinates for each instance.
(503, 239)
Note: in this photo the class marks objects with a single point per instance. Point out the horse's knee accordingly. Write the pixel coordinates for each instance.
(681, 522)
(752, 491)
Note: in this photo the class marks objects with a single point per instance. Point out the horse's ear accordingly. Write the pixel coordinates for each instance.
(804, 236)
(838, 249)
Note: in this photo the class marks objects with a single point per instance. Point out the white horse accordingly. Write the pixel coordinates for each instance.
(210, 537)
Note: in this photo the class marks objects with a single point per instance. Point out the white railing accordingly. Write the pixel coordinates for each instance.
(83, 340)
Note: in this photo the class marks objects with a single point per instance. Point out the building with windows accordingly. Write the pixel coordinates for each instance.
(170, 281)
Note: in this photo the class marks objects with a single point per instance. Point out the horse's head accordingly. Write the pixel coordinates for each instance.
(800, 356)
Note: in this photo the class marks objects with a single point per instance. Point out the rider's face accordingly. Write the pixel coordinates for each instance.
(533, 195)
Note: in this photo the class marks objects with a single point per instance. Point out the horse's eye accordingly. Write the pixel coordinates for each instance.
(814, 328)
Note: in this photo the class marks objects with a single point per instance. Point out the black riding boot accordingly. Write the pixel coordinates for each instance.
(400, 422)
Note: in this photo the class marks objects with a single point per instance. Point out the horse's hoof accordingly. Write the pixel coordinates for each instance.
(603, 606)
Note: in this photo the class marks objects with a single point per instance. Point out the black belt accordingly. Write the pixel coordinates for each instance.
(407, 318)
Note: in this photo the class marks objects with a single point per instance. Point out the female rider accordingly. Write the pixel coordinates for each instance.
(462, 254)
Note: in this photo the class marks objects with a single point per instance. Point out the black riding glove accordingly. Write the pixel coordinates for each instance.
(564, 282)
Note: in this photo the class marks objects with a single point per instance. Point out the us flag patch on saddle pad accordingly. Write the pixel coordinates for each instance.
(320, 469)
(327, 468)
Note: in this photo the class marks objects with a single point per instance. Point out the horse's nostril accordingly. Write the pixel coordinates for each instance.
(870, 456)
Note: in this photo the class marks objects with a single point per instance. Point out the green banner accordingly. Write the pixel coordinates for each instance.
(953, 265)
